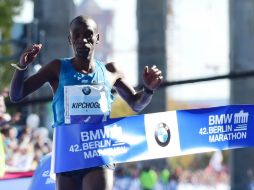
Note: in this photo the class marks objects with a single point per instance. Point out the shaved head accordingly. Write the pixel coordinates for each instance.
(84, 20)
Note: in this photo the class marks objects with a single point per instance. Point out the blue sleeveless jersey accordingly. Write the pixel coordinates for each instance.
(68, 76)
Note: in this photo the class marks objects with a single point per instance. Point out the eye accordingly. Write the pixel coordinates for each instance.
(75, 35)
(88, 37)
(88, 34)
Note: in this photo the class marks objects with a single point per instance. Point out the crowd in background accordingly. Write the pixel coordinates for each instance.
(149, 178)
(24, 145)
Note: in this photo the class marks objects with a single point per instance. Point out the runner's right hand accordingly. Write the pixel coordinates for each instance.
(29, 55)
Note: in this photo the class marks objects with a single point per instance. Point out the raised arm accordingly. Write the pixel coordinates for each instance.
(21, 86)
(138, 100)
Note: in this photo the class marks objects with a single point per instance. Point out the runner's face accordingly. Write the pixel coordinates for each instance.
(83, 37)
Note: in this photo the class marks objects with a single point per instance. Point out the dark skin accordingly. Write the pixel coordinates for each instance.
(83, 38)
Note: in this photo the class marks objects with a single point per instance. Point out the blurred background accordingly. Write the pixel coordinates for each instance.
(204, 48)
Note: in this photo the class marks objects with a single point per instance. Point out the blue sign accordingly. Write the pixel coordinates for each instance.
(151, 136)
(41, 179)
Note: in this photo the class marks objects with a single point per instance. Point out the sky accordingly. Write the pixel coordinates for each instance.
(198, 46)
(26, 15)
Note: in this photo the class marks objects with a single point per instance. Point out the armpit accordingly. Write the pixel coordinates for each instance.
(111, 67)
(114, 73)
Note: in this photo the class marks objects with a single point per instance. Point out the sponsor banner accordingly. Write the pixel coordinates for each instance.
(162, 135)
(152, 136)
(41, 179)
(217, 128)
(87, 145)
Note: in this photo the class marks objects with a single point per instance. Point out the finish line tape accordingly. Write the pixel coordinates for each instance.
(152, 136)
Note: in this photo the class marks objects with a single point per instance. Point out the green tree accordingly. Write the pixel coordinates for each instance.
(8, 9)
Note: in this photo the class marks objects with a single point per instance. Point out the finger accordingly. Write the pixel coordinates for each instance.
(35, 49)
(146, 70)
(25, 58)
(158, 72)
(160, 78)
(154, 74)
(38, 45)
(33, 52)
(153, 67)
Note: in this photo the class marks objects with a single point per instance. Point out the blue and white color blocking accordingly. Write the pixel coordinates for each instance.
(152, 136)
(41, 179)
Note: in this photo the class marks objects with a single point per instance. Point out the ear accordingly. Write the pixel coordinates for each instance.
(97, 38)
(69, 39)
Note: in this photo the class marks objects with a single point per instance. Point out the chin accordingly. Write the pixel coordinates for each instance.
(82, 56)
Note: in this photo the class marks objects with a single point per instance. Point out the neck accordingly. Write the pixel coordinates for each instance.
(84, 65)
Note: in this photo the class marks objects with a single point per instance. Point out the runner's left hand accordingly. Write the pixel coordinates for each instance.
(152, 77)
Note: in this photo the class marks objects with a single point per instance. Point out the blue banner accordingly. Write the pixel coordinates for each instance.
(89, 145)
(152, 136)
(220, 128)
(41, 179)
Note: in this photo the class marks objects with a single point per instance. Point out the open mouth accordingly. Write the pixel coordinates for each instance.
(82, 52)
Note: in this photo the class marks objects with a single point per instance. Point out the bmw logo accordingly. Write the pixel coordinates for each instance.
(162, 134)
(86, 90)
